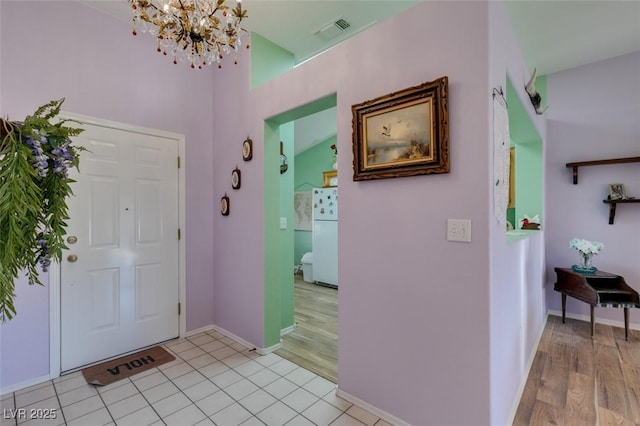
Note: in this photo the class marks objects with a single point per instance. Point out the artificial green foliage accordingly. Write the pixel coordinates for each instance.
(35, 158)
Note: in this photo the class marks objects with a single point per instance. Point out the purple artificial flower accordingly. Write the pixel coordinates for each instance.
(63, 159)
(44, 252)
(40, 161)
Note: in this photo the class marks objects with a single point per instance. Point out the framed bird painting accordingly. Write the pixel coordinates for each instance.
(404, 133)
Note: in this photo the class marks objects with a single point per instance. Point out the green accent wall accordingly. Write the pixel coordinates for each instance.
(528, 156)
(308, 174)
(541, 87)
(268, 60)
(529, 180)
(286, 235)
(511, 216)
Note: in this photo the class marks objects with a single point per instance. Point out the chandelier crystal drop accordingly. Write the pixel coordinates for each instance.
(199, 32)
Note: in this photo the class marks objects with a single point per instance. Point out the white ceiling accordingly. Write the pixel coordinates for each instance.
(554, 34)
(558, 35)
(314, 128)
(292, 24)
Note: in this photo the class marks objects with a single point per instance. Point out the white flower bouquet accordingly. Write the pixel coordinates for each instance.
(586, 247)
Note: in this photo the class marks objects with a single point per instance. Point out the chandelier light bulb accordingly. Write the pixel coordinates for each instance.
(198, 32)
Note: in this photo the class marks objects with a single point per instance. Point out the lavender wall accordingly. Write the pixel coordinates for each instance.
(24, 342)
(239, 261)
(413, 308)
(594, 113)
(517, 301)
(70, 50)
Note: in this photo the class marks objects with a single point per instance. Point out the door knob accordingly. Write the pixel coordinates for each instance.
(72, 258)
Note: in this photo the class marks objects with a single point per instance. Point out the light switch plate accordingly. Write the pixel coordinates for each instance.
(283, 223)
(459, 230)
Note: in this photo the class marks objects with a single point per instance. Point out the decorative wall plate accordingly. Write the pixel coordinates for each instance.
(224, 205)
(235, 178)
(247, 149)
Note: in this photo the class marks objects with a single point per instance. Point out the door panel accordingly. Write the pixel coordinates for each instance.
(105, 301)
(147, 300)
(121, 293)
(104, 210)
(148, 212)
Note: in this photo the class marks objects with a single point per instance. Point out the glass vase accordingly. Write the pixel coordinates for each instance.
(585, 260)
(584, 265)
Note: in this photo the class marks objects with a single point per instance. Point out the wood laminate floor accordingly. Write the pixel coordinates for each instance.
(314, 343)
(579, 380)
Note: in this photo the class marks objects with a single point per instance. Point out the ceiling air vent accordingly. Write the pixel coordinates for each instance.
(342, 24)
(332, 30)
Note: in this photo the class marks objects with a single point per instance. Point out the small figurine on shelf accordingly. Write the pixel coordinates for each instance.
(335, 157)
(530, 222)
(616, 191)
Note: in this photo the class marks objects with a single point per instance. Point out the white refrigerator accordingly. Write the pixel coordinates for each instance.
(325, 236)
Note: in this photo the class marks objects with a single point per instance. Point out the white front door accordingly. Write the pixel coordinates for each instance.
(119, 277)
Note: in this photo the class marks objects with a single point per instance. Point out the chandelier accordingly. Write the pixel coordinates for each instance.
(199, 32)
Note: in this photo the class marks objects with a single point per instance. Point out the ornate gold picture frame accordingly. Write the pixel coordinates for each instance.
(330, 179)
(404, 133)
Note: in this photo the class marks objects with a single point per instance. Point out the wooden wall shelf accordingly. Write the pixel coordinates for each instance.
(575, 165)
(612, 203)
(612, 206)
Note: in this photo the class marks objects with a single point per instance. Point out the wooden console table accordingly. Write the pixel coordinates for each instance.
(600, 289)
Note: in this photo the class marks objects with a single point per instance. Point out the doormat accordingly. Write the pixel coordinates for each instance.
(126, 366)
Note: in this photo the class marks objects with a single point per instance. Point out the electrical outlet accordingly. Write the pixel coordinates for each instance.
(283, 223)
(459, 230)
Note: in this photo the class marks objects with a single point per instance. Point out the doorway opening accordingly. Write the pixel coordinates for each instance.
(300, 315)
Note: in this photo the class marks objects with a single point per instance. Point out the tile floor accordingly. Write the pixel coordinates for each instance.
(213, 381)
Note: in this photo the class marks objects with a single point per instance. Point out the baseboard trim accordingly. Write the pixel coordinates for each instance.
(200, 330)
(259, 351)
(587, 318)
(23, 385)
(234, 337)
(370, 408)
(266, 351)
(527, 370)
(288, 330)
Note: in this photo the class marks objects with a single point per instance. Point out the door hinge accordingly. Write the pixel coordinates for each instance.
(179, 308)
(179, 234)
(178, 162)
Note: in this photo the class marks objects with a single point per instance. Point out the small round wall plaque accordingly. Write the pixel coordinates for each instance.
(247, 149)
(235, 178)
(224, 205)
